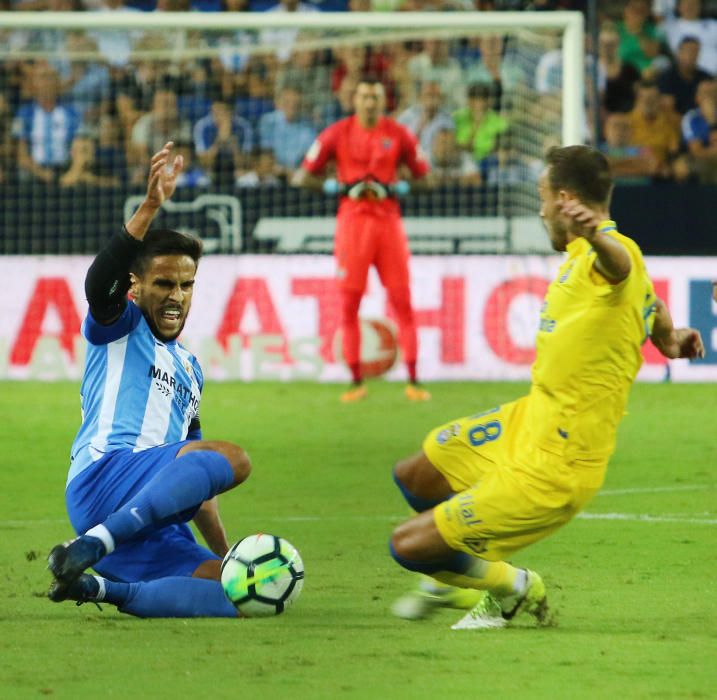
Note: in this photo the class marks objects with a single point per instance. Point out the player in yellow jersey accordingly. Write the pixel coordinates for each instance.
(487, 485)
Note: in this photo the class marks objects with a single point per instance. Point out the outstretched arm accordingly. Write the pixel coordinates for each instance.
(613, 261)
(675, 342)
(108, 280)
(303, 178)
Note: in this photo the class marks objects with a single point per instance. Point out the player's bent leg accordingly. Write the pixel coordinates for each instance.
(424, 487)
(237, 457)
(196, 475)
(421, 484)
(418, 545)
(175, 596)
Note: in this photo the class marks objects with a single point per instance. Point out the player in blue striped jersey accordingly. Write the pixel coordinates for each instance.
(140, 469)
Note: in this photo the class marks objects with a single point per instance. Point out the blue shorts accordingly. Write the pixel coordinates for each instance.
(156, 552)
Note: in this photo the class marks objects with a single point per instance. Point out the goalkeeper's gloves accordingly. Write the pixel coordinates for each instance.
(366, 189)
(333, 187)
(399, 189)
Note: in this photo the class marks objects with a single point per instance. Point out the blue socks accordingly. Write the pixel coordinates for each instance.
(418, 503)
(181, 485)
(457, 562)
(174, 596)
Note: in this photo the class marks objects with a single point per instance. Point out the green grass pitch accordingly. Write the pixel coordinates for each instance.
(633, 580)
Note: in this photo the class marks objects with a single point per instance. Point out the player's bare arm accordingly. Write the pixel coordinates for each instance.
(613, 261)
(210, 525)
(161, 183)
(303, 178)
(673, 342)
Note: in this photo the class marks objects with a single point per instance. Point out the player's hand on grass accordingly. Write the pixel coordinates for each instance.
(162, 179)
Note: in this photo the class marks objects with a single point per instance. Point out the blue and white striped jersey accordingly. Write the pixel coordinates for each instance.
(137, 391)
(48, 134)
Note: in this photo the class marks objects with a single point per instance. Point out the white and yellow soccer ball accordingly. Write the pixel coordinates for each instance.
(262, 575)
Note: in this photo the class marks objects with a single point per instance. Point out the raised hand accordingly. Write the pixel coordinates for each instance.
(162, 179)
(586, 218)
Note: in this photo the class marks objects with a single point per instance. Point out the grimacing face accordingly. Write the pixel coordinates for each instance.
(554, 222)
(164, 293)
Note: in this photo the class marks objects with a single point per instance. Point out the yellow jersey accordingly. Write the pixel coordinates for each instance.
(588, 352)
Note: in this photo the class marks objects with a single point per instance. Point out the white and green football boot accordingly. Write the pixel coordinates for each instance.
(490, 613)
(430, 596)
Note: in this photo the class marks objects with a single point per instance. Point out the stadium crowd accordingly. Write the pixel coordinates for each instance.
(88, 107)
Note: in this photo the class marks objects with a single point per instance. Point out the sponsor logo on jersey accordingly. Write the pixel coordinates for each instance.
(167, 384)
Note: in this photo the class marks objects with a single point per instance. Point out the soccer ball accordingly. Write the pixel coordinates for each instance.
(379, 346)
(262, 575)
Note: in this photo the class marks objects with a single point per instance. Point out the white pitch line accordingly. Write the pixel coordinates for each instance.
(629, 517)
(658, 489)
(634, 517)
(641, 518)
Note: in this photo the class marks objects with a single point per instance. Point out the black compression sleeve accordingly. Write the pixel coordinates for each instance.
(107, 281)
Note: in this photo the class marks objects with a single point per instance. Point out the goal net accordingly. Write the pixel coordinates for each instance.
(85, 98)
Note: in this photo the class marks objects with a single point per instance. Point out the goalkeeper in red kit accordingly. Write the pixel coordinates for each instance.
(368, 149)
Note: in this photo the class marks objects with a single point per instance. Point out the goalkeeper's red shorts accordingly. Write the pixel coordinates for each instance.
(363, 240)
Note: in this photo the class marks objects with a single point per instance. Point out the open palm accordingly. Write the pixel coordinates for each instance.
(162, 179)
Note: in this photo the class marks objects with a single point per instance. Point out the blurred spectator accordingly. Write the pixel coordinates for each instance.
(663, 9)
(699, 131)
(151, 131)
(257, 98)
(308, 72)
(45, 127)
(357, 61)
(115, 44)
(497, 66)
(340, 106)
(477, 125)
(630, 164)
(508, 166)
(655, 128)
(678, 84)
(435, 64)
(86, 83)
(285, 37)
(234, 47)
(82, 170)
(223, 141)
(265, 172)
(639, 36)
(7, 144)
(110, 158)
(285, 132)
(132, 91)
(192, 175)
(428, 117)
(451, 164)
(616, 78)
(689, 24)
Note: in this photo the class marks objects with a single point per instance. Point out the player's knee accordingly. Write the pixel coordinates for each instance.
(404, 543)
(238, 460)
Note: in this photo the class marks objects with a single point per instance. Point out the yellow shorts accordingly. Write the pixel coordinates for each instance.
(509, 493)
